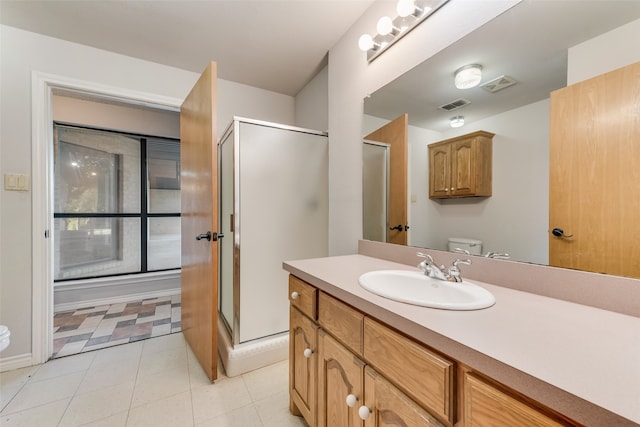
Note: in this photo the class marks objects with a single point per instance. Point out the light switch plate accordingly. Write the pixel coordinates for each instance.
(16, 182)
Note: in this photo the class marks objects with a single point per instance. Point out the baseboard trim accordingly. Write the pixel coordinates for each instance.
(115, 300)
(16, 362)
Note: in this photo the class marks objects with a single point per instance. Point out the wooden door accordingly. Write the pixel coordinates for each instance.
(340, 373)
(395, 133)
(594, 177)
(390, 407)
(199, 189)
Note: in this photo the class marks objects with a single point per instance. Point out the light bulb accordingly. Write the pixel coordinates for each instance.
(405, 7)
(385, 26)
(365, 42)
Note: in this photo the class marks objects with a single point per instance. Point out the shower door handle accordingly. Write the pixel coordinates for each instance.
(209, 236)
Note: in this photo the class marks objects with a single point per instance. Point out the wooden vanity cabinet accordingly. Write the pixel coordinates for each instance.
(303, 350)
(489, 405)
(337, 351)
(461, 166)
(391, 407)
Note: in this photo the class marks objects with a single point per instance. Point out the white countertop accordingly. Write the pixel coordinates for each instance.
(588, 352)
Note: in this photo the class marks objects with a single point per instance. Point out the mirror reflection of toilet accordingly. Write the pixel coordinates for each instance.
(4, 337)
(457, 244)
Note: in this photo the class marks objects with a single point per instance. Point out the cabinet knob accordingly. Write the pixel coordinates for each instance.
(307, 352)
(294, 295)
(364, 412)
(351, 400)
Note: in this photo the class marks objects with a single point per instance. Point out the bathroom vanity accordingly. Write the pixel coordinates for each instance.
(529, 360)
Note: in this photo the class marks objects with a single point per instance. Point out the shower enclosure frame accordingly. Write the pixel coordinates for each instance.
(234, 222)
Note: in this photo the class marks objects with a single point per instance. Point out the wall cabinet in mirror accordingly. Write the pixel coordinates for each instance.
(461, 166)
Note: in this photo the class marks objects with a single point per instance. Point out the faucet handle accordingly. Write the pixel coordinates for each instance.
(425, 256)
(454, 270)
(461, 251)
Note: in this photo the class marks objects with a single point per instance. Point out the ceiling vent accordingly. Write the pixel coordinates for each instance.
(498, 83)
(454, 105)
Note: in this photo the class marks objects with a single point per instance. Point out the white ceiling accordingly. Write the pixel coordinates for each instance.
(529, 42)
(277, 45)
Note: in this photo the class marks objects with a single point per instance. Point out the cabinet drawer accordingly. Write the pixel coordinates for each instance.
(303, 296)
(484, 404)
(427, 378)
(341, 321)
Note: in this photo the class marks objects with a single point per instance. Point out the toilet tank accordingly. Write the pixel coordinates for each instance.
(472, 245)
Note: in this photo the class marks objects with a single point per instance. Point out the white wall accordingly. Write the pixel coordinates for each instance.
(312, 103)
(604, 53)
(351, 78)
(24, 52)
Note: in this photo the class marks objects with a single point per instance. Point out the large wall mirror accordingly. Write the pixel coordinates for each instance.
(526, 53)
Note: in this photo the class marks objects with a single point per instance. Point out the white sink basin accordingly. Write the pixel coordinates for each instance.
(414, 287)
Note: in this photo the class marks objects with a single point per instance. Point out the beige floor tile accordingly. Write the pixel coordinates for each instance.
(216, 399)
(91, 322)
(174, 411)
(159, 386)
(105, 345)
(120, 352)
(73, 332)
(241, 417)
(46, 391)
(41, 416)
(109, 374)
(164, 343)
(117, 420)
(96, 405)
(264, 382)
(274, 411)
(63, 366)
(154, 362)
(12, 381)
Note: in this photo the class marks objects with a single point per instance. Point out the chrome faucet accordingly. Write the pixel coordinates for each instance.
(431, 269)
(496, 255)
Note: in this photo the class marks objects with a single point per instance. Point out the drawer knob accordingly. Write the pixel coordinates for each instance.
(364, 412)
(294, 295)
(351, 400)
(307, 352)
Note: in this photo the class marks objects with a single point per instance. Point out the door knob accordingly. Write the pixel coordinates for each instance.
(559, 232)
(206, 236)
(209, 236)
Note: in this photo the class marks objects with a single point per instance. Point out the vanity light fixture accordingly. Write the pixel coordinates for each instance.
(390, 30)
(468, 76)
(457, 121)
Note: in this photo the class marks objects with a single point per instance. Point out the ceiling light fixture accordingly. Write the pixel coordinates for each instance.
(468, 76)
(457, 121)
(390, 30)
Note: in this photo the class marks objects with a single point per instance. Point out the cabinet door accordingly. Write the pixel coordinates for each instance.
(463, 164)
(485, 405)
(388, 406)
(340, 374)
(303, 358)
(439, 170)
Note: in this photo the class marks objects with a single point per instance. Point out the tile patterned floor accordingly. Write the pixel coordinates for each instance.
(98, 327)
(155, 382)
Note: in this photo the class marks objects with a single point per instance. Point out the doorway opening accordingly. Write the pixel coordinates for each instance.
(45, 89)
(116, 219)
